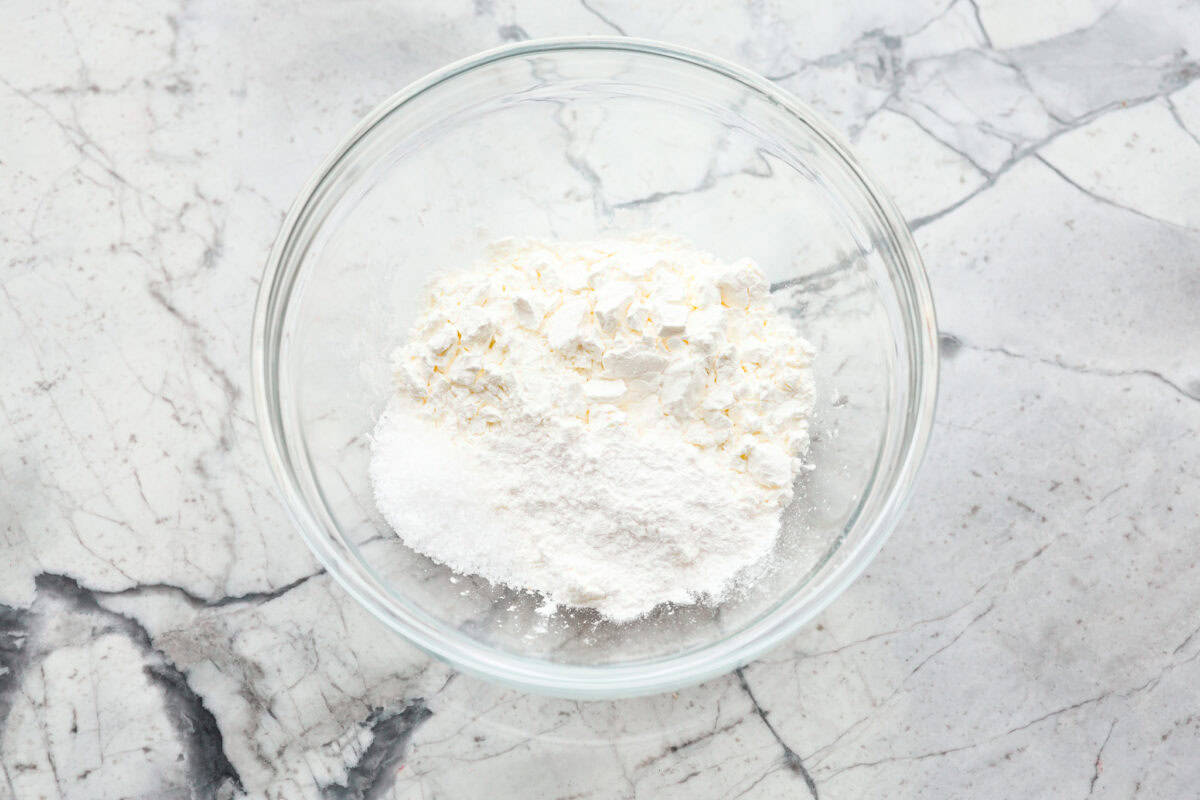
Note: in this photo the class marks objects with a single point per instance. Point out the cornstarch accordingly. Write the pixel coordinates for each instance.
(613, 424)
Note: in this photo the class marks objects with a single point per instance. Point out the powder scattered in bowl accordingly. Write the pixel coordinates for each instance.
(613, 424)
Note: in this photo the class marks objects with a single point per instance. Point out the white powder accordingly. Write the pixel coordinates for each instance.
(614, 424)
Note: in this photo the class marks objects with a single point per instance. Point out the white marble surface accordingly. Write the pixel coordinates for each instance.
(1031, 629)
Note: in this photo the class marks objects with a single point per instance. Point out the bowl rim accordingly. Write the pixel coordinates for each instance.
(666, 673)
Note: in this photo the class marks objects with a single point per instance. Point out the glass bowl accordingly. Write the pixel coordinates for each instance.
(581, 139)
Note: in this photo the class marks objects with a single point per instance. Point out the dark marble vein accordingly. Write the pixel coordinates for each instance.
(375, 772)
(1098, 764)
(1193, 394)
(987, 40)
(14, 656)
(672, 749)
(199, 601)
(894, 759)
(1099, 198)
(602, 18)
(1179, 120)
(790, 756)
(1033, 149)
(209, 768)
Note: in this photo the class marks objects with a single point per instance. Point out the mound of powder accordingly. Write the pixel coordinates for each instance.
(613, 424)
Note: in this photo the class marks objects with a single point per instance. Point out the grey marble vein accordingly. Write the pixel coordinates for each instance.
(372, 775)
(790, 757)
(1030, 629)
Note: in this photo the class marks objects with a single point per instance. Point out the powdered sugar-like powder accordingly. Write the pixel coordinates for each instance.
(613, 424)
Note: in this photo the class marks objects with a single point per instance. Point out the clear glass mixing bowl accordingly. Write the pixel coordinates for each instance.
(577, 139)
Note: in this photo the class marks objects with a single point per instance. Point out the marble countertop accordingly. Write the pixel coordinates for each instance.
(1030, 630)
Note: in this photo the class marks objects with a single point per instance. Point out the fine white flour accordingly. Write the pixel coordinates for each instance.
(613, 424)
